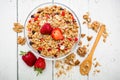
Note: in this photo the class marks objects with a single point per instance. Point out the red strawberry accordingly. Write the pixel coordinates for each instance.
(39, 65)
(29, 58)
(57, 34)
(46, 29)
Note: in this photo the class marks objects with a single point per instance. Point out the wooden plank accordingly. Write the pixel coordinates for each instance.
(24, 8)
(8, 49)
(79, 7)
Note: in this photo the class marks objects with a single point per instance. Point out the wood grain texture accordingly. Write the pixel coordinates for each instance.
(107, 54)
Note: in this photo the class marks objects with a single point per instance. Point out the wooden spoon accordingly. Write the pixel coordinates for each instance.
(87, 63)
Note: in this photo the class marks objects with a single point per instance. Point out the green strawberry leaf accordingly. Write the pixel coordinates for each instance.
(22, 53)
(39, 71)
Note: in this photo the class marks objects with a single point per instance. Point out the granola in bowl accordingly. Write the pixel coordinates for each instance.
(52, 31)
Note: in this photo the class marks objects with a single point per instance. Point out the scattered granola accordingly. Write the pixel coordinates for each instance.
(70, 59)
(88, 45)
(97, 64)
(83, 35)
(60, 72)
(89, 38)
(77, 62)
(67, 64)
(96, 71)
(21, 40)
(94, 59)
(18, 27)
(57, 64)
(69, 68)
(95, 26)
(86, 18)
(82, 51)
(80, 43)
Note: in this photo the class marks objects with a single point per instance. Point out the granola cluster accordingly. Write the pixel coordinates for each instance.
(82, 51)
(21, 40)
(57, 17)
(18, 27)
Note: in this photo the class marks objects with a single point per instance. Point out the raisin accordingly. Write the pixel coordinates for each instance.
(30, 37)
(61, 9)
(57, 13)
(67, 22)
(40, 11)
(33, 32)
(39, 51)
(32, 16)
(55, 55)
(31, 43)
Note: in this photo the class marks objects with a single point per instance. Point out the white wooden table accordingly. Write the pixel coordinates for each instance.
(108, 54)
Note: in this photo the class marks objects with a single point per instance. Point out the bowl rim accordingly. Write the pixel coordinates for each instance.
(45, 5)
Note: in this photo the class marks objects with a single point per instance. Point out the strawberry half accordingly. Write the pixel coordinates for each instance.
(29, 58)
(39, 65)
(46, 29)
(57, 34)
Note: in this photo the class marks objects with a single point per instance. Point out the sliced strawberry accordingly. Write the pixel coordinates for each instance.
(46, 29)
(57, 34)
(39, 65)
(29, 58)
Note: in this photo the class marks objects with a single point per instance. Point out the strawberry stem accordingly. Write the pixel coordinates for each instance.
(22, 53)
(38, 71)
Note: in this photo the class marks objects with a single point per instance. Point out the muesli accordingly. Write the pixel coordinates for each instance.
(52, 31)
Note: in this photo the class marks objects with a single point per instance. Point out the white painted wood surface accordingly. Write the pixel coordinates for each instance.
(107, 54)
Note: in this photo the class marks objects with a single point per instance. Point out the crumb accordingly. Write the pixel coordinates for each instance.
(80, 43)
(60, 72)
(84, 22)
(57, 64)
(96, 71)
(83, 35)
(94, 59)
(87, 45)
(77, 62)
(82, 51)
(21, 40)
(18, 27)
(104, 40)
(69, 68)
(97, 64)
(89, 38)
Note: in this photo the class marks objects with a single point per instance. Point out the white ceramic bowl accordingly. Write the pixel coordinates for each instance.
(42, 6)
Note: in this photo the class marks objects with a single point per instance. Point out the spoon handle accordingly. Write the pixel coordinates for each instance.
(102, 28)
